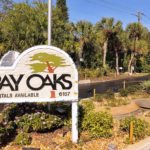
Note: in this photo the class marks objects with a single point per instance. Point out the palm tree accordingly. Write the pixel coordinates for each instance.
(106, 29)
(84, 34)
(136, 44)
(116, 42)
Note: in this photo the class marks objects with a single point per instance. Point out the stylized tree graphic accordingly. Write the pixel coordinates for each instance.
(49, 62)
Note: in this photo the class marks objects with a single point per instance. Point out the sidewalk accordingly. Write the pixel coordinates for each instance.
(142, 145)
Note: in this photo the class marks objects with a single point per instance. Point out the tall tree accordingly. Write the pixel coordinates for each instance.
(25, 26)
(85, 36)
(63, 10)
(60, 25)
(116, 43)
(104, 29)
(136, 45)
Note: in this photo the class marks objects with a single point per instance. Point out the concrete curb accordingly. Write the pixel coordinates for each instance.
(142, 145)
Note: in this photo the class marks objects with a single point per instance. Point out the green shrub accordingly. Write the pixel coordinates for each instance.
(109, 94)
(114, 102)
(94, 73)
(39, 122)
(134, 88)
(123, 92)
(99, 124)
(87, 106)
(6, 132)
(146, 86)
(140, 127)
(16, 110)
(131, 89)
(98, 98)
(23, 139)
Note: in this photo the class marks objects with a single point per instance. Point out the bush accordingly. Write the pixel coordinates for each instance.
(124, 92)
(130, 90)
(94, 73)
(16, 110)
(99, 124)
(146, 86)
(98, 98)
(87, 106)
(39, 122)
(23, 139)
(140, 127)
(114, 102)
(134, 88)
(6, 132)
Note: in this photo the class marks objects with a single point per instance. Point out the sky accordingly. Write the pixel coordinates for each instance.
(94, 10)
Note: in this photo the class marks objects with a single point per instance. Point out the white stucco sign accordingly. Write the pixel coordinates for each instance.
(40, 74)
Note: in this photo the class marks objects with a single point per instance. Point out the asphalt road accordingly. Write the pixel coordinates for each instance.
(86, 89)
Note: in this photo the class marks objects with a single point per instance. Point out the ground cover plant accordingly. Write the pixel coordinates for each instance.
(140, 127)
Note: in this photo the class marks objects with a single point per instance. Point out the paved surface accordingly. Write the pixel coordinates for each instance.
(142, 145)
(125, 110)
(144, 103)
(86, 88)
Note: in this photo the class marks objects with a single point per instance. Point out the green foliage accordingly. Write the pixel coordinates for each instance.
(130, 90)
(146, 86)
(61, 5)
(16, 110)
(134, 88)
(25, 23)
(109, 94)
(99, 97)
(39, 122)
(61, 31)
(140, 127)
(124, 92)
(23, 139)
(6, 131)
(87, 106)
(145, 63)
(114, 102)
(93, 73)
(89, 73)
(99, 124)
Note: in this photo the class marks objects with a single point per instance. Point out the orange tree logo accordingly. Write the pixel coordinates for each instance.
(43, 62)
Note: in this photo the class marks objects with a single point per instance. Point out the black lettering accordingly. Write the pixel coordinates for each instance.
(49, 82)
(67, 81)
(29, 80)
(16, 82)
(5, 82)
(62, 78)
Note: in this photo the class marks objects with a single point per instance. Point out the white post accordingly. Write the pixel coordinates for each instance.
(49, 21)
(49, 28)
(75, 122)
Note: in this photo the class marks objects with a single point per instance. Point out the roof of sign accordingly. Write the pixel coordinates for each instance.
(9, 58)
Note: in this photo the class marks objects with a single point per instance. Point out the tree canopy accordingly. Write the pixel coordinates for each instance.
(104, 45)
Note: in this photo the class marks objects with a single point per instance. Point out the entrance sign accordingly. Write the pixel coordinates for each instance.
(40, 74)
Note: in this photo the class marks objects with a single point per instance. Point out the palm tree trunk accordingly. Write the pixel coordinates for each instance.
(105, 53)
(130, 63)
(117, 63)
